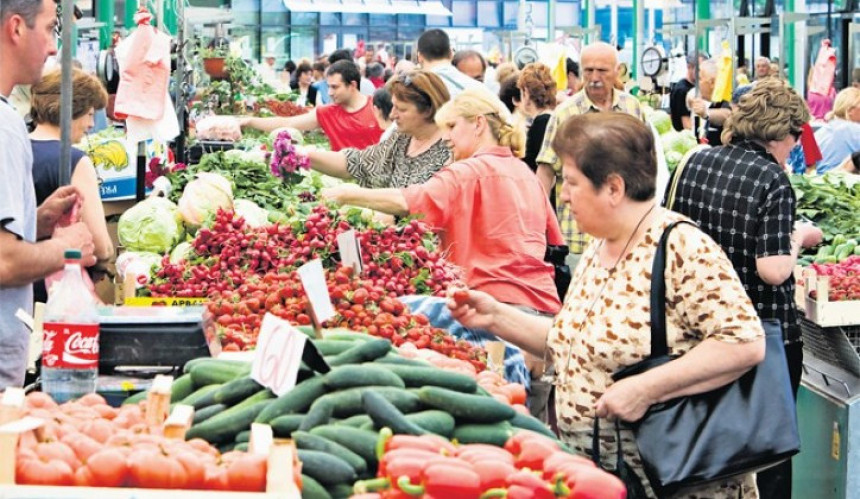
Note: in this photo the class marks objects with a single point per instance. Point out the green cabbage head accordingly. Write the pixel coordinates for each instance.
(151, 225)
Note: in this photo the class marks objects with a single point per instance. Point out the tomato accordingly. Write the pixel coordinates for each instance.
(49, 451)
(215, 478)
(108, 468)
(82, 445)
(152, 469)
(92, 399)
(99, 429)
(248, 473)
(194, 466)
(461, 296)
(39, 400)
(83, 477)
(515, 392)
(39, 472)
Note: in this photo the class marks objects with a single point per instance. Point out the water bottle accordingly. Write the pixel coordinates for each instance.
(70, 351)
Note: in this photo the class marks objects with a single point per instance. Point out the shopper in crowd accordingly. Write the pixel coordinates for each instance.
(502, 247)
(365, 87)
(855, 78)
(403, 66)
(347, 122)
(382, 106)
(574, 82)
(30, 248)
(320, 83)
(610, 170)
(709, 115)
(374, 73)
(599, 64)
(740, 195)
(840, 136)
(538, 91)
(89, 95)
(509, 94)
(678, 93)
(288, 74)
(434, 54)
(471, 63)
(762, 68)
(505, 70)
(414, 151)
(303, 84)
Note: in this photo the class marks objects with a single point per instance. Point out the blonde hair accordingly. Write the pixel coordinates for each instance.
(480, 102)
(770, 111)
(845, 100)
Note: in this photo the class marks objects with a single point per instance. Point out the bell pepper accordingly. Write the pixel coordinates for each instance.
(477, 452)
(593, 483)
(533, 452)
(514, 444)
(522, 484)
(434, 443)
(553, 463)
(493, 474)
(444, 480)
(402, 455)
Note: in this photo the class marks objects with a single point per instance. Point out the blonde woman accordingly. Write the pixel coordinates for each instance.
(840, 137)
(492, 213)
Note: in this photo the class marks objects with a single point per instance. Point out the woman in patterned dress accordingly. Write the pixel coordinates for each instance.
(609, 181)
(409, 155)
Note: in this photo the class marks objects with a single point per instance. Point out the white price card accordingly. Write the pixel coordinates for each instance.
(278, 355)
(350, 251)
(313, 280)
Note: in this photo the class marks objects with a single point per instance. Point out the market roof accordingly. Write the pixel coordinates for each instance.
(424, 7)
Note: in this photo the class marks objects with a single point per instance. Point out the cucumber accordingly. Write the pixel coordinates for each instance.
(432, 376)
(351, 376)
(492, 434)
(257, 397)
(214, 362)
(362, 352)
(361, 442)
(354, 421)
(216, 372)
(333, 347)
(369, 426)
(312, 489)
(341, 491)
(308, 441)
(241, 446)
(237, 390)
(243, 436)
(297, 400)
(328, 470)
(394, 359)
(284, 426)
(527, 422)
(207, 412)
(319, 414)
(341, 334)
(434, 421)
(224, 427)
(133, 399)
(346, 403)
(201, 398)
(183, 386)
(471, 408)
(383, 413)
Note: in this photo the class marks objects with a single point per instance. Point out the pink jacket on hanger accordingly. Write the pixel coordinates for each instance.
(144, 62)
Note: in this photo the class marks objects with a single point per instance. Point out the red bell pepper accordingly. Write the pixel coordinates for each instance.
(522, 484)
(433, 443)
(444, 480)
(402, 455)
(514, 444)
(593, 483)
(553, 463)
(493, 474)
(533, 452)
(477, 452)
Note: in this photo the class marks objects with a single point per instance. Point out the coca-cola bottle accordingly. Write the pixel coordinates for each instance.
(70, 352)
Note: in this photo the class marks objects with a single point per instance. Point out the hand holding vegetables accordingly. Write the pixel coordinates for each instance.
(807, 235)
(473, 309)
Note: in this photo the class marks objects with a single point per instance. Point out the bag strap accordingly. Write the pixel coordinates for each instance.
(659, 345)
(595, 445)
(679, 170)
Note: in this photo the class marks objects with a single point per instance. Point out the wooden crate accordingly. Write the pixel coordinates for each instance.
(821, 310)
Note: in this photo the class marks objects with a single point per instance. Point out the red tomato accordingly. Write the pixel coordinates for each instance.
(248, 473)
(38, 472)
(50, 451)
(108, 468)
(82, 445)
(152, 469)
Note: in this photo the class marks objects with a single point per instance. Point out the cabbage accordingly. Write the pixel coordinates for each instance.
(672, 159)
(181, 252)
(203, 196)
(151, 225)
(676, 145)
(254, 215)
(661, 121)
(137, 263)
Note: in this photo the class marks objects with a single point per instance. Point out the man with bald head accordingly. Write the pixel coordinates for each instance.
(762, 67)
(599, 68)
(471, 63)
(710, 115)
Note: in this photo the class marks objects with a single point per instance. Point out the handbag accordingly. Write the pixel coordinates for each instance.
(556, 255)
(743, 427)
(623, 470)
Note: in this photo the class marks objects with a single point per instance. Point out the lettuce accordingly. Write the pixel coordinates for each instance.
(151, 225)
(203, 196)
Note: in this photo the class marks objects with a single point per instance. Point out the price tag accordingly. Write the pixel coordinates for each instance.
(350, 251)
(278, 355)
(313, 281)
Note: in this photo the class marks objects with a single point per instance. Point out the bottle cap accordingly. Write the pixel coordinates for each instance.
(72, 254)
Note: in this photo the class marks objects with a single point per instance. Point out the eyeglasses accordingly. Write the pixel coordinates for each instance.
(407, 81)
(796, 134)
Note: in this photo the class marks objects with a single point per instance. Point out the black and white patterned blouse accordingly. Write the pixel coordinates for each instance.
(387, 164)
(742, 198)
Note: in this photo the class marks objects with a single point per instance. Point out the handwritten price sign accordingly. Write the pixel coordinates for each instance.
(278, 355)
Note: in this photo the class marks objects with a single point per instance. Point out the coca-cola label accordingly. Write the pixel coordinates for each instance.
(70, 346)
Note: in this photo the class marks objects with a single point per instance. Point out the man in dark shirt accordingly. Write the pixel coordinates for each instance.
(740, 195)
(678, 109)
(710, 116)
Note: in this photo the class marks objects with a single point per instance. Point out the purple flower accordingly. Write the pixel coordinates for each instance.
(284, 159)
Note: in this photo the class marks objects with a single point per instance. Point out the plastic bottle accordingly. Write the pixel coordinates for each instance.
(70, 352)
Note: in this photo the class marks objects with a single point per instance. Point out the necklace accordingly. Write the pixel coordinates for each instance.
(599, 294)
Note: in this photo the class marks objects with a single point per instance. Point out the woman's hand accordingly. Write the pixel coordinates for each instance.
(625, 399)
(473, 309)
(340, 194)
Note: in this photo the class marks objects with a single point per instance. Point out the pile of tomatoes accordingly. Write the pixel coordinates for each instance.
(88, 443)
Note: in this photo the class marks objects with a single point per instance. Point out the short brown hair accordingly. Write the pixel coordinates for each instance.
(87, 93)
(609, 143)
(770, 111)
(536, 78)
(422, 88)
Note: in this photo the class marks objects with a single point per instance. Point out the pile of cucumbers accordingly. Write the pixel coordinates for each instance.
(334, 417)
(840, 249)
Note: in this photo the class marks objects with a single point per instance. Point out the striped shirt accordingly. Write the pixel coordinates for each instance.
(622, 102)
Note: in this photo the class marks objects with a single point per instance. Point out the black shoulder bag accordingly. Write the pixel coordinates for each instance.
(746, 426)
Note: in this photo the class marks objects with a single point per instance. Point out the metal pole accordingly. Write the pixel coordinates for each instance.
(66, 94)
(550, 20)
(638, 36)
(105, 12)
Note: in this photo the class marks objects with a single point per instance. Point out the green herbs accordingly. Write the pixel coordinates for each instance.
(832, 201)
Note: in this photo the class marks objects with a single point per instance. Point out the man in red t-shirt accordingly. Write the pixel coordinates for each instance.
(348, 121)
